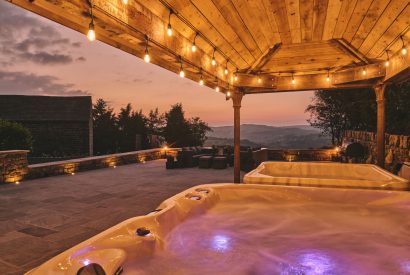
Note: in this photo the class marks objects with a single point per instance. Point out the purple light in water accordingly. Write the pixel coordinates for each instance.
(220, 243)
(316, 262)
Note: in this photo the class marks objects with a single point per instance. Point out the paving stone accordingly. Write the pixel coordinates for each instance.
(36, 231)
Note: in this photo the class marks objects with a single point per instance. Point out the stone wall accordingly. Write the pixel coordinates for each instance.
(397, 148)
(295, 155)
(83, 164)
(13, 166)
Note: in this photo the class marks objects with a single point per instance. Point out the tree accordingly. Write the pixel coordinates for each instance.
(176, 130)
(105, 128)
(180, 132)
(131, 124)
(336, 111)
(14, 136)
(198, 129)
(397, 109)
(155, 122)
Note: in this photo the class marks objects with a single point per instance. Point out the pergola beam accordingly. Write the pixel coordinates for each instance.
(264, 59)
(345, 46)
(399, 68)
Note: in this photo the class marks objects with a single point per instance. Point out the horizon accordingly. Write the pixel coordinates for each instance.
(45, 58)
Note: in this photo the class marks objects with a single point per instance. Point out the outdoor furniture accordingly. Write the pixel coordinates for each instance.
(205, 162)
(219, 162)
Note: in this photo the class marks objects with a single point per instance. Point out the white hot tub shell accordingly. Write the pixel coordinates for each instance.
(320, 174)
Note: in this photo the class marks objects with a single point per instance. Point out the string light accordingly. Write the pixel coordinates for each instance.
(364, 72)
(169, 29)
(91, 32)
(387, 63)
(259, 79)
(201, 80)
(125, 2)
(181, 70)
(228, 94)
(193, 48)
(213, 62)
(403, 48)
(217, 85)
(293, 80)
(147, 58)
(235, 77)
(226, 71)
(328, 76)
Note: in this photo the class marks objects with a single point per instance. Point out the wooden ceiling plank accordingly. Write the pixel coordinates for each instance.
(319, 18)
(293, 15)
(375, 11)
(280, 14)
(332, 15)
(228, 19)
(392, 11)
(359, 13)
(271, 19)
(348, 49)
(306, 19)
(399, 68)
(399, 27)
(252, 17)
(346, 12)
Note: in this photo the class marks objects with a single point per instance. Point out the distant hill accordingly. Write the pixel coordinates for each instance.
(286, 137)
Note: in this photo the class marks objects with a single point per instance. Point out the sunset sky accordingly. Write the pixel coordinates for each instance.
(40, 57)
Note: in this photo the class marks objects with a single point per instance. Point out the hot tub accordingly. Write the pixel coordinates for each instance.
(332, 174)
(254, 229)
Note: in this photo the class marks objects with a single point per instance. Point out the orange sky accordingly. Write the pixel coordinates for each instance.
(106, 72)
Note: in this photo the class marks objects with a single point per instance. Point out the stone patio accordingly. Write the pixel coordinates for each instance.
(41, 218)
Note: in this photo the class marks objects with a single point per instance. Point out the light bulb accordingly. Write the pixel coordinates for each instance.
(387, 63)
(217, 89)
(193, 48)
(259, 80)
(293, 81)
(226, 71)
(125, 2)
(147, 58)
(328, 79)
(201, 82)
(91, 32)
(169, 30)
(403, 51)
(364, 72)
(182, 73)
(228, 94)
(213, 62)
(235, 78)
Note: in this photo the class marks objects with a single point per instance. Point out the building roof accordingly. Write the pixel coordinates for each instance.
(45, 108)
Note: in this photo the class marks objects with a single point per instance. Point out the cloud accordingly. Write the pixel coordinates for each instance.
(32, 84)
(24, 38)
(81, 58)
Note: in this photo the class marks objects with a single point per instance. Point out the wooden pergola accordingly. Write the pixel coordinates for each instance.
(255, 46)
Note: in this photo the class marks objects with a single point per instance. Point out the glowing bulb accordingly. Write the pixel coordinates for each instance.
(235, 78)
(217, 89)
(226, 71)
(364, 72)
(17, 182)
(387, 63)
(259, 80)
(328, 79)
(293, 81)
(403, 51)
(169, 30)
(228, 94)
(91, 32)
(147, 58)
(193, 48)
(201, 82)
(165, 147)
(213, 62)
(125, 2)
(182, 73)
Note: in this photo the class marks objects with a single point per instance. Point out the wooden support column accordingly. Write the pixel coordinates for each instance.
(237, 99)
(379, 90)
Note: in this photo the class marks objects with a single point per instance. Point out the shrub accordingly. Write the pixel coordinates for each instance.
(14, 136)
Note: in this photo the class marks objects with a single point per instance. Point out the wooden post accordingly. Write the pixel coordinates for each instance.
(237, 99)
(379, 90)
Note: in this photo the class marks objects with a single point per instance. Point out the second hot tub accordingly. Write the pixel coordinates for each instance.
(320, 174)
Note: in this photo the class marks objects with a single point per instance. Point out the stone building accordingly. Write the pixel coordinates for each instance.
(60, 126)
